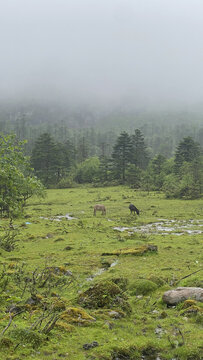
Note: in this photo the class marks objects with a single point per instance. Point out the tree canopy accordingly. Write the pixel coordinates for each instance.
(17, 182)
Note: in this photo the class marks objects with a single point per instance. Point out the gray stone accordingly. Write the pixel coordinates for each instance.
(173, 297)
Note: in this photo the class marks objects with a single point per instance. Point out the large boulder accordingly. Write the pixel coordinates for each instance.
(173, 297)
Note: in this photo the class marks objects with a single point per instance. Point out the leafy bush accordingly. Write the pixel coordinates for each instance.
(66, 183)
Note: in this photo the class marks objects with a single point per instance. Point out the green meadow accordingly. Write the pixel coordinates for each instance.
(89, 287)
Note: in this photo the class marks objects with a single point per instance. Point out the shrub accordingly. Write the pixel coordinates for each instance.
(26, 336)
(142, 287)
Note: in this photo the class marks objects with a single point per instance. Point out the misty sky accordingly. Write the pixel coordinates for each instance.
(138, 51)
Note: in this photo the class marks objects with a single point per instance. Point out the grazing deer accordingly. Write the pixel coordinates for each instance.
(133, 209)
(99, 208)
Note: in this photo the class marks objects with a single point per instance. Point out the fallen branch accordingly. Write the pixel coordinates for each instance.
(184, 277)
(10, 321)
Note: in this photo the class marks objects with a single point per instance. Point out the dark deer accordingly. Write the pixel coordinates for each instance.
(133, 209)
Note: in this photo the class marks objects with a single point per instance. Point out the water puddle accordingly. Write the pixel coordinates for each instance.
(166, 227)
(59, 217)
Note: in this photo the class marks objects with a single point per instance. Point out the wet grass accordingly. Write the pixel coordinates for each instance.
(58, 260)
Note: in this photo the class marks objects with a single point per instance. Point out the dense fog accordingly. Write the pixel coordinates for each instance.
(137, 53)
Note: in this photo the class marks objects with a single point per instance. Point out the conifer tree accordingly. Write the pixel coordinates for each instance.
(139, 156)
(121, 155)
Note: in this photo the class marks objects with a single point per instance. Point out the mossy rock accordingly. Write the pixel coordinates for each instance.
(192, 310)
(188, 303)
(142, 287)
(74, 315)
(140, 250)
(102, 294)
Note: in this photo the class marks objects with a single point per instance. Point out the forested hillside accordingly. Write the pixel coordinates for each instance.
(96, 128)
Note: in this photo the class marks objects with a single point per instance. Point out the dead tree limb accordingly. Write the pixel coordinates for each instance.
(184, 277)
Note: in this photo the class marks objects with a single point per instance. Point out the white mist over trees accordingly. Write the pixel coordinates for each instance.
(138, 53)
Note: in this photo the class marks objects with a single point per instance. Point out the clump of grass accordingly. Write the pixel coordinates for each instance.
(157, 280)
(192, 282)
(6, 343)
(121, 281)
(8, 240)
(26, 336)
(142, 287)
(125, 352)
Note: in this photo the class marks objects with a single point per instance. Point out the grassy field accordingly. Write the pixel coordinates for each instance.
(67, 294)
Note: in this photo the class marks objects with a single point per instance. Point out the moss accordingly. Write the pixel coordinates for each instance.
(42, 266)
(12, 265)
(157, 280)
(150, 352)
(105, 263)
(26, 336)
(39, 297)
(133, 251)
(122, 282)
(199, 318)
(125, 353)
(58, 305)
(142, 287)
(6, 343)
(10, 272)
(192, 310)
(186, 353)
(193, 282)
(74, 315)
(187, 303)
(99, 295)
(163, 315)
(64, 326)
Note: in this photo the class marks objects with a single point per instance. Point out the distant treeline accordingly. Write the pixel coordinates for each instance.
(151, 151)
(57, 164)
(93, 132)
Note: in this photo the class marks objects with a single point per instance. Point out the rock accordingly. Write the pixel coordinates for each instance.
(90, 346)
(115, 314)
(173, 297)
(68, 248)
(68, 273)
(139, 250)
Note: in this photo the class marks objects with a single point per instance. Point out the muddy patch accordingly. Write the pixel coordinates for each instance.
(166, 227)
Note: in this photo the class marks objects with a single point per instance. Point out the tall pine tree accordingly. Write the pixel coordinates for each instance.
(139, 156)
(121, 155)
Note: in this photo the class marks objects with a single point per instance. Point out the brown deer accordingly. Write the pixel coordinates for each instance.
(99, 208)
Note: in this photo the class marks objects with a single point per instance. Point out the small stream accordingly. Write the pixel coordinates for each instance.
(166, 227)
(59, 217)
(101, 271)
